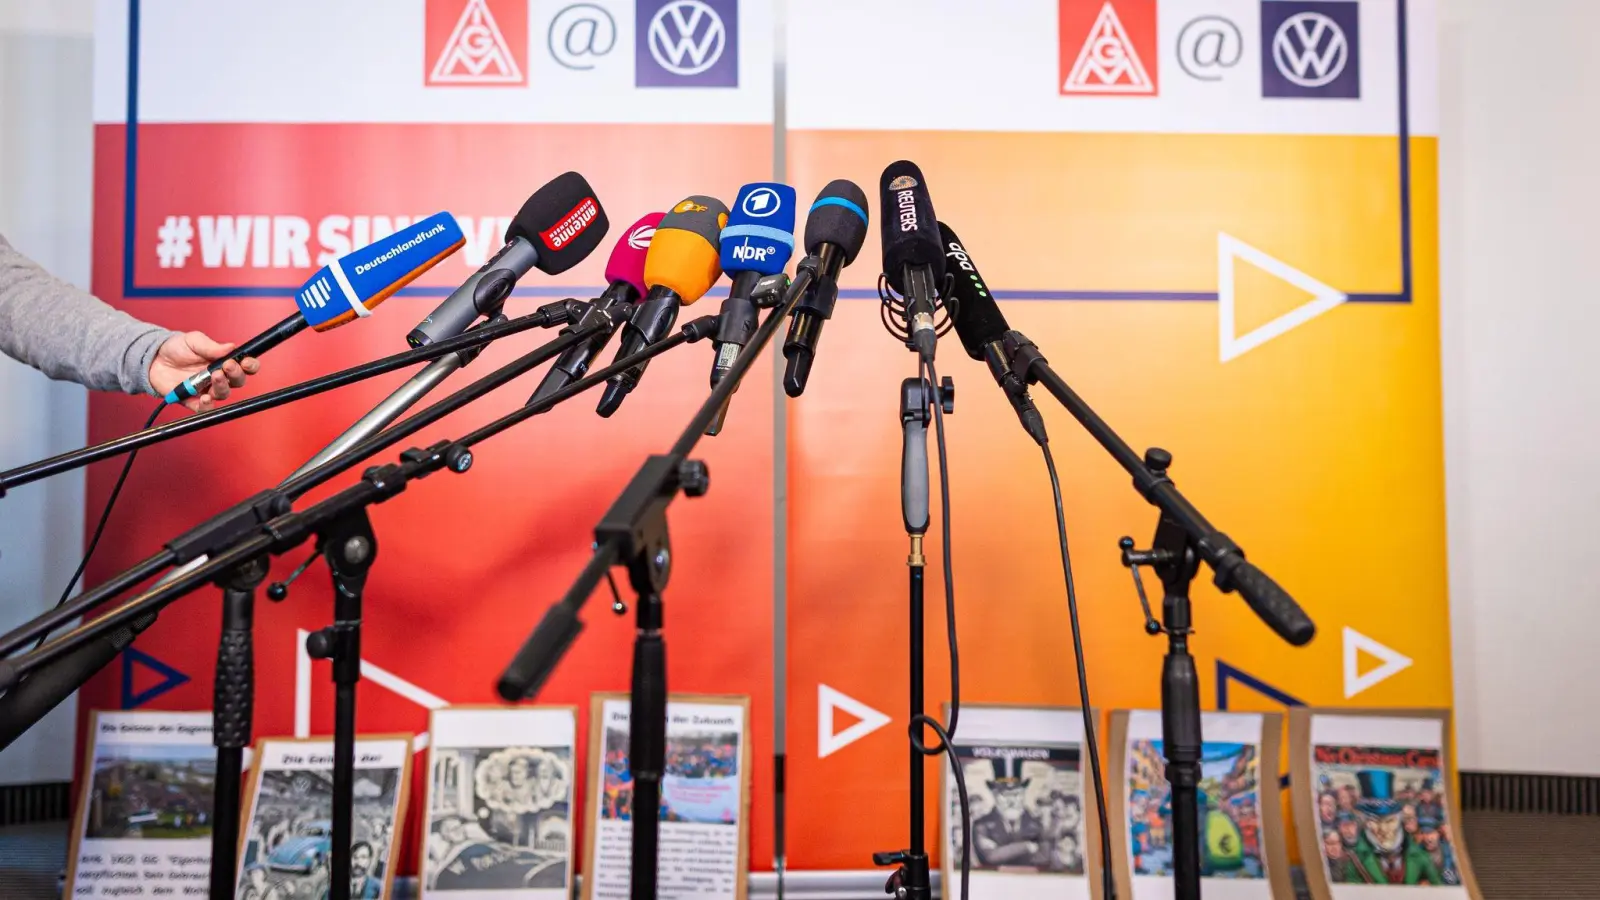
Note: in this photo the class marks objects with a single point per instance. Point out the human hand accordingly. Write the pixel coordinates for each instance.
(191, 352)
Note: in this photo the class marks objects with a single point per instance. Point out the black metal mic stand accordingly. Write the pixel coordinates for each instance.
(1182, 540)
(633, 533)
(345, 538)
(912, 879)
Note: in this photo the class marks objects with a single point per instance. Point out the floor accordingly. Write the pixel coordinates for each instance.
(1517, 856)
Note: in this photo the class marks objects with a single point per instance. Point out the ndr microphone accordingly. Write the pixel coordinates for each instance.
(757, 241)
(913, 257)
(982, 329)
(553, 231)
(624, 287)
(349, 288)
(836, 227)
(681, 265)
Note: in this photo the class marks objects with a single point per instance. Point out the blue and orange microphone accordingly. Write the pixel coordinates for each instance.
(757, 242)
(348, 288)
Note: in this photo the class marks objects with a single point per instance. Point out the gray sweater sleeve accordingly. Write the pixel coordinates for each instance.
(68, 334)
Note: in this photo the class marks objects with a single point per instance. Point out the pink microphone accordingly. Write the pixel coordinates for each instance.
(624, 287)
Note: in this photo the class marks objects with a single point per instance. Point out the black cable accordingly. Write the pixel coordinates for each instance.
(105, 516)
(1083, 683)
(947, 733)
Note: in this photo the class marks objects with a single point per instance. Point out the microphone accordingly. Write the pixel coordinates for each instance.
(624, 287)
(982, 329)
(913, 258)
(348, 288)
(560, 225)
(835, 229)
(757, 241)
(680, 266)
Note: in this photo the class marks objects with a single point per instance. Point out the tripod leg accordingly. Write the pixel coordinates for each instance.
(647, 745)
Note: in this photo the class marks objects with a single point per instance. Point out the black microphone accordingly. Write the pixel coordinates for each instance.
(624, 287)
(913, 257)
(835, 230)
(982, 330)
(680, 266)
(555, 229)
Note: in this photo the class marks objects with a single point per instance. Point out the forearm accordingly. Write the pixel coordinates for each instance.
(68, 334)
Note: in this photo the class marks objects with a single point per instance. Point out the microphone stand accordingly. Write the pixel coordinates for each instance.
(345, 537)
(912, 880)
(1183, 538)
(633, 533)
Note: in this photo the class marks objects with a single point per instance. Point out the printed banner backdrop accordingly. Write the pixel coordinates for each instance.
(1217, 219)
(239, 147)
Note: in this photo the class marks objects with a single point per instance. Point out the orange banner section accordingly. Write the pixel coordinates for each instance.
(1317, 447)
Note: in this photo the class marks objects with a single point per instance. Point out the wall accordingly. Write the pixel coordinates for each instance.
(46, 64)
(1521, 378)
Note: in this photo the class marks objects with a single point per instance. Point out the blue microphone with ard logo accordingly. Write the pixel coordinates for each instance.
(757, 242)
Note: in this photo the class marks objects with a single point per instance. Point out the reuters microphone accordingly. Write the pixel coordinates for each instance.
(349, 288)
(913, 258)
(681, 265)
(624, 287)
(757, 241)
(836, 227)
(560, 225)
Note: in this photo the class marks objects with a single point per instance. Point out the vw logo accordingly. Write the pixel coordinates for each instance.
(639, 238)
(1310, 49)
(687, 37)
(760, 203)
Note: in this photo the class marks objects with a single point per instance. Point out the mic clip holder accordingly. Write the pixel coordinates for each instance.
(769, 291)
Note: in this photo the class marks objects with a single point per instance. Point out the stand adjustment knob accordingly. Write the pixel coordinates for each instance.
(320, 644)
(457, 458)
(1157, 460)
(947, 393)
(694, 477)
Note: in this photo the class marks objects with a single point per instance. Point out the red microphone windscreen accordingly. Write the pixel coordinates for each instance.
(627, 257)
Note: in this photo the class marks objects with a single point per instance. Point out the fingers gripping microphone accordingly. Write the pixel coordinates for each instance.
(913, 258)
(758, 241)
(349, 288)
(680, 266)
(560, 225)
(624, 287)
(982, 329)
(835, 229)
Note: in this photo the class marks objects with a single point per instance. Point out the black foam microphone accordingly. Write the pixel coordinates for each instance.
(913, 256)
(836, 227)
(555, 229)
(982, 329)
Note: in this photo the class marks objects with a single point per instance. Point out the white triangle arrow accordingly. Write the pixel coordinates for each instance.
(1323, 297)
(1354, 643)
(829, 700)
(369, 673)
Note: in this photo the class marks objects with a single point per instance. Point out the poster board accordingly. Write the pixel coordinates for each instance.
(1024, 767)
(1387, 778)
(700, 791)
(497, 820)
(286, 836)
(1244, 851)
(144, 804)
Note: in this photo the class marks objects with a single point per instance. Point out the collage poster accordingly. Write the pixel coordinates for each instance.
(1373, 809)
(287, 839)
(1242, 850)
(704, 841)
(500, 795)
(1030, 803)
(144, 814)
